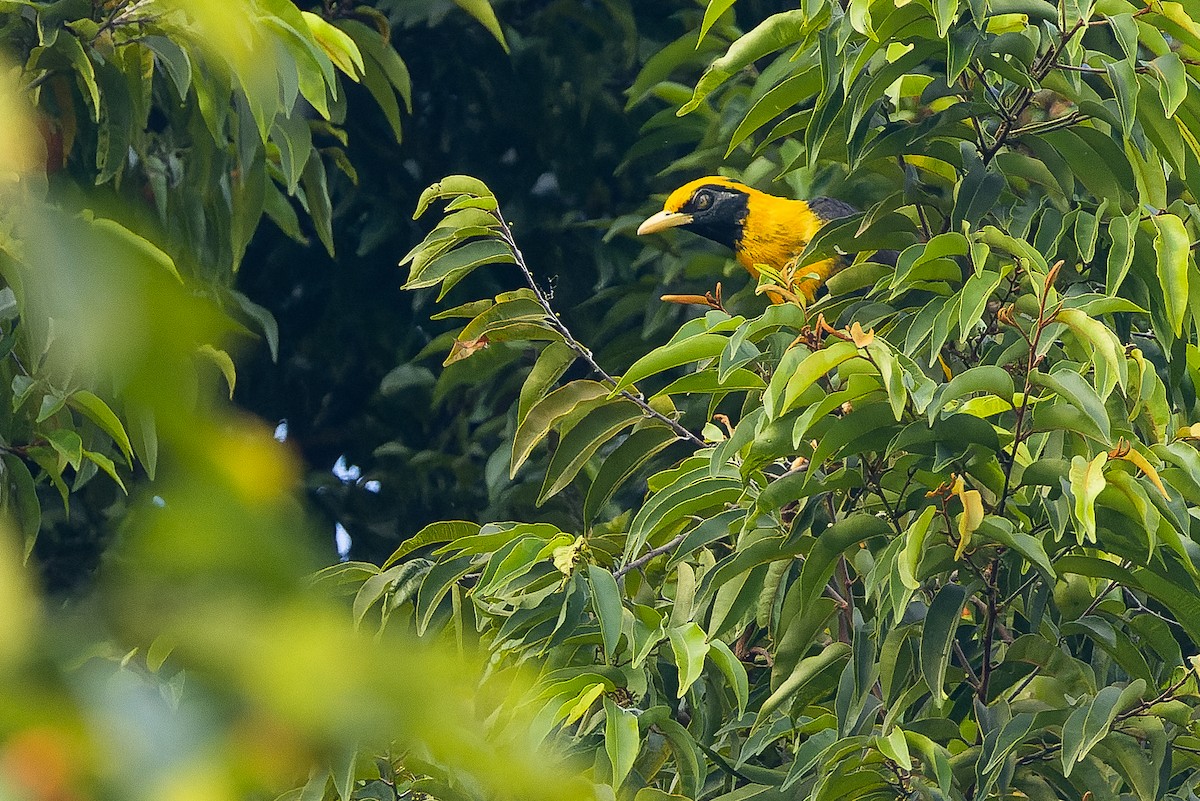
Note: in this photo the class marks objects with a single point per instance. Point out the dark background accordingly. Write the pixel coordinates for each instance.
(546, 126)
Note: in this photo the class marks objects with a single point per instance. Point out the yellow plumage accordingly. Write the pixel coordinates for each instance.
(763, 230)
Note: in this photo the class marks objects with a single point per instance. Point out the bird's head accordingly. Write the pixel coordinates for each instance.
(713, 207)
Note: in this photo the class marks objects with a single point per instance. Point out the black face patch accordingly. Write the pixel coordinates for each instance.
(718, 213)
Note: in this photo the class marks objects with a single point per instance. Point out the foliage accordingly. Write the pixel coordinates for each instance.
(938, 536)
(203, 664)
(163, 140)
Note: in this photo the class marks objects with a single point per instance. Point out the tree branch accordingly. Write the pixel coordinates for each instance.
(574, 344)
(645, 558)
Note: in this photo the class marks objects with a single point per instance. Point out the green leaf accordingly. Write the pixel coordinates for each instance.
(689, 762)
(317, 202)
(1172, 247)
(708, 382)
(914, 546)
(1087, 725)
(622, 463)
(690, 646)
(606, 604)
(1001, 530)
(675, 354)
(830, 544)
(342, 771)
(336, 44)
(983, 378)
(975, 195)
(1169, 71)
(376, 48)
(452, 186)
(776, 101)
(1087, 481)
(482, 11)
(105, 464)
(945, 12)
(1125, 87)
(576, 397)
(441, 531)
(372, 589)
(655, 794)
(976, 293)
(143, 436)
(174, 60)
(1101, 339)
(1121, 231)
(68, 445)
(734, 670)
(1140, 769)
(937, 636)
(223, 362)
(438, 581)
(1073, 388)
(583, 441)
(711, 14)
(21, 501)
(806, 670)
(99, 412)
(552, 362)
(384, 93)
(293, 136)
(814, 367)
(458, 263)
(622, 740)
(672, 505)
(774, 33)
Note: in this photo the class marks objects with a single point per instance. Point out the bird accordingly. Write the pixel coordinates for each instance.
(762, 230)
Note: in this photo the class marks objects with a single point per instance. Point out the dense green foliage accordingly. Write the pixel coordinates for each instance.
(142, 144)
(934, 536)
(939, 537)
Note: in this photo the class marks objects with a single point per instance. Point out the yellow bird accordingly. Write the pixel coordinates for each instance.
(761, 229)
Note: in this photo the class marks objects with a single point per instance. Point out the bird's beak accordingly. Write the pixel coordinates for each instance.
(664, 220)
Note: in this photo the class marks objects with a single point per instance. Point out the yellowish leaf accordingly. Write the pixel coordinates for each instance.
(860, 337)
(567, 556)
(1132, 456)
(970, 518)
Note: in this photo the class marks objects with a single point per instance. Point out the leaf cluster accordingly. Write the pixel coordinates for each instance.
(938, 536)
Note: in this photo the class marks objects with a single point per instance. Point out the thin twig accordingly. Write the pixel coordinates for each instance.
(645, 558)
(1045, 126)
(574, 344)
(989, 631)
(1040, 70)
(972, 679)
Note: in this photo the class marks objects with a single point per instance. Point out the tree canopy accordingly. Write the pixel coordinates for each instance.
(932, 536)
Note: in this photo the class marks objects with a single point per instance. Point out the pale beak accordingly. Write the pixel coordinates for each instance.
(664, 220)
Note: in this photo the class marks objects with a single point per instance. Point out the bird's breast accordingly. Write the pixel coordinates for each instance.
(775, 231)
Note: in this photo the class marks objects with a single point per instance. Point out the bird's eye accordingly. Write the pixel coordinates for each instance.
(703, 200)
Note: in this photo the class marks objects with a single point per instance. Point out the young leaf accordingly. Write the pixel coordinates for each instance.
(1172, 246)
(606, 604)
(99, 413)
(621, 740)
(482, 11)
(690, 646)
(1087, 481)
